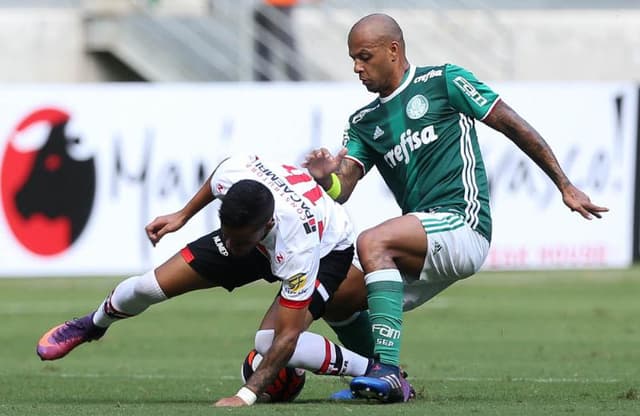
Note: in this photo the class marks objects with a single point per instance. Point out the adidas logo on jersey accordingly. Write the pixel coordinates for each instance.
(377, 133)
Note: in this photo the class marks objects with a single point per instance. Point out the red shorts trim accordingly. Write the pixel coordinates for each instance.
(294, 304)
(187, 255)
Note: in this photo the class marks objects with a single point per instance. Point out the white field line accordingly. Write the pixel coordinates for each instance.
(533, 380)
(551, 380)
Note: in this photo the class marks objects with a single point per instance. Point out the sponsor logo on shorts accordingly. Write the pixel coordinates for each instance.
(220, 246)
(436, 248)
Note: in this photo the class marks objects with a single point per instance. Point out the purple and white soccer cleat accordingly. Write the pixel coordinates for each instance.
(61, 339)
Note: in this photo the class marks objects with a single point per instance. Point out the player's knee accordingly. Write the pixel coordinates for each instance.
(263, 340)
(369, 240)
(145, 287)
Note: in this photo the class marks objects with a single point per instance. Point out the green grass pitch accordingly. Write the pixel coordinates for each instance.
(526, 343)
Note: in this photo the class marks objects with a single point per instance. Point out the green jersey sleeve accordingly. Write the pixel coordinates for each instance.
(467, 94)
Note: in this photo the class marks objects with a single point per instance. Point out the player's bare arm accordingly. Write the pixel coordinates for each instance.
(321, 164)
(349, 173)
(165, 224)
(505, 120)
(290, 324)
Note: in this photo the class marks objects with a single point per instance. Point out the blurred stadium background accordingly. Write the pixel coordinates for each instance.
(152, 93)
(211, 40)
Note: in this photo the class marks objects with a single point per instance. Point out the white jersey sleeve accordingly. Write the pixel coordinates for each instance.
(295, 259)
(308, 223)
(225, 175)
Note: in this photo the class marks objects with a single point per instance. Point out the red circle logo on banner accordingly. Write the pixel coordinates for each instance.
(47, 195)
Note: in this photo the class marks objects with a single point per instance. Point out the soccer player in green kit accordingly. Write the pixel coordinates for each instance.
(419, 132)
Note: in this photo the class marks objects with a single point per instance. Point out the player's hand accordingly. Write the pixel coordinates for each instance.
(162, 225)
(321, 163)
(578, 201)
(233, 401)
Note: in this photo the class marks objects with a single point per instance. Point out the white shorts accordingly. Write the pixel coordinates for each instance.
(454, 251)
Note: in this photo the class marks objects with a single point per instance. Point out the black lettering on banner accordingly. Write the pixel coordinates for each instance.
(593, 171)
(139, 174)
(128, 173)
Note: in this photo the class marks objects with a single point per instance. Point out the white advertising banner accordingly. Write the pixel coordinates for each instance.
(84, 168)
(591, 128)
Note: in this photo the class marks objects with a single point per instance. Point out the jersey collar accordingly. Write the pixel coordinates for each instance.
(406, 80)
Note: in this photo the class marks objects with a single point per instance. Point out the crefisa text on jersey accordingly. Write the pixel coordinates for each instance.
(409, 141)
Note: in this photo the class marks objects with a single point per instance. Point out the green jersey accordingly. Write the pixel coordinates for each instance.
(423, 141)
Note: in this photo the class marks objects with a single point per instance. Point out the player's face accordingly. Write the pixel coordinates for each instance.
(241, 240)
(372, 61)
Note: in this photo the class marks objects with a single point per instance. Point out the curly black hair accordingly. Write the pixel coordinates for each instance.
(247, 203)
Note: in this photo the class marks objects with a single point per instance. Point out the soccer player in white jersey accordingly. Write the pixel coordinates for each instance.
(277, 224)
(419, 133)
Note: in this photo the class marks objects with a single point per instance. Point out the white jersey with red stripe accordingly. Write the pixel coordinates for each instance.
(309, 224)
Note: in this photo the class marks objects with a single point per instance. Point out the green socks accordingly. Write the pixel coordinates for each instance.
(385, 297)
(355, 333)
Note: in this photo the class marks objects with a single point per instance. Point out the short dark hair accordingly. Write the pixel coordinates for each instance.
(247, 203)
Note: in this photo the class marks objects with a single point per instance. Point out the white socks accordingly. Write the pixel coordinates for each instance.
(316, 353)
(129, 298)
(313, 352)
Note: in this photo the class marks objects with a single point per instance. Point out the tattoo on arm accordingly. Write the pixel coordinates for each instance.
(504, 119)
(289, 325)
(276, 358)
(260, 380)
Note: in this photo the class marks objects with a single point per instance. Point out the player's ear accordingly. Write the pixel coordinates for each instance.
(271, 223)
(394, 50)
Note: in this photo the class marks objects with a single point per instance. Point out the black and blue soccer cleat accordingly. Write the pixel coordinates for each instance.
(383, 382)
